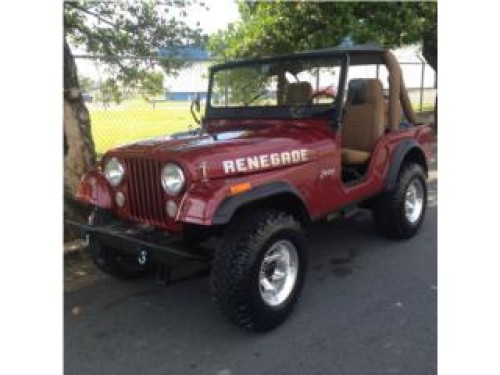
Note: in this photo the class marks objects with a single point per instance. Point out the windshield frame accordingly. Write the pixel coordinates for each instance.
(282, 111)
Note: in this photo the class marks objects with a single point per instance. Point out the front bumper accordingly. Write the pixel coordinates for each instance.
(134, 239)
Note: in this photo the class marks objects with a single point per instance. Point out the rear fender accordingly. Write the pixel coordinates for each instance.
(95, 190)
(409, 148)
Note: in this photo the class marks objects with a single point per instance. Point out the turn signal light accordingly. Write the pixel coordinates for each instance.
(239, 188)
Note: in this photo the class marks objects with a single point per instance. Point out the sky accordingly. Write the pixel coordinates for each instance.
(221, 13)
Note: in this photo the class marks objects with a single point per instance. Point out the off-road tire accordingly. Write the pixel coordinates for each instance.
(236, 265)
(388, 208)
(111, 260)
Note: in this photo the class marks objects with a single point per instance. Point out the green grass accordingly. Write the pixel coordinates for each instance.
(136, 119)
(425, 107)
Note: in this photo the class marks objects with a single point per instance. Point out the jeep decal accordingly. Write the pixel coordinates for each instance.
(263, 161)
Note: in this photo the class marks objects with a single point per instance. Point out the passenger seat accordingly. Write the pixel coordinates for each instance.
(364, 120)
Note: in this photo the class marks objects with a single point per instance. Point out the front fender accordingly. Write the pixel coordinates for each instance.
(228, 206)
(218, 208)
(95, 190)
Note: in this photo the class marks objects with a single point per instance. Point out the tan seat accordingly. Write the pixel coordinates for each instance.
(364, 120)
(354, 156)
(299, 93)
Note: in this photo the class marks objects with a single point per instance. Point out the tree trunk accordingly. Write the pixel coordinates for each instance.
(429, 51)
(79, 152)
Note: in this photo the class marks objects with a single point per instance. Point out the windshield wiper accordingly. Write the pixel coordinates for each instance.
(256, 97)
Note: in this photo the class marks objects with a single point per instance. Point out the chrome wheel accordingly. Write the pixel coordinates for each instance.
(278, 272)
(414, 201)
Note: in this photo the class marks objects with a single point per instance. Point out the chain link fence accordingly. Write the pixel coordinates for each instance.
(120, 115)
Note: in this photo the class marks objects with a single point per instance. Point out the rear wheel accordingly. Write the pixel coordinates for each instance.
(258, 272)
(399, 213)
(113, 261)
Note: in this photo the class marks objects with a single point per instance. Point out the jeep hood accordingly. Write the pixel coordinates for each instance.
(212, 150)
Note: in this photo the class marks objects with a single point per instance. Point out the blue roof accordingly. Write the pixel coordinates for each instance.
(189, 52)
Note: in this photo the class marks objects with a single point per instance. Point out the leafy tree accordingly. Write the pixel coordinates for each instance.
(280, 27)
(86, 84)
(152, 85)
(127, 37)
(110, 92)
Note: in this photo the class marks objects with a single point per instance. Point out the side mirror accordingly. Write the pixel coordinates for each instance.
(195, 106)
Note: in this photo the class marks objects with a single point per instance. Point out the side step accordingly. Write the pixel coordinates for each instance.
(345, 212)
(349, 211)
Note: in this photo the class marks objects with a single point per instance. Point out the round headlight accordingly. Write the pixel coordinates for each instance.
(114, 171)
(172, 179)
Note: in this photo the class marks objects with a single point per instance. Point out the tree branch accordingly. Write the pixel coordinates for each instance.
(90, 13)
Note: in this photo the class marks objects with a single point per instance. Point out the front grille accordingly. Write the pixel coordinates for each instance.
(145, 194)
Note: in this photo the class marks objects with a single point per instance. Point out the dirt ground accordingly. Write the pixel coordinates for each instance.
(79, 271)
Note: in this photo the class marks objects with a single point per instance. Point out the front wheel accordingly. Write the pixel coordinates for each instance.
(399, 213)
(258, 272)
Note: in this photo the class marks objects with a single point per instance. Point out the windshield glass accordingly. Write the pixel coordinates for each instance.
(304, 82)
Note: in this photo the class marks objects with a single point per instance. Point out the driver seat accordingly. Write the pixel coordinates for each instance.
(298, 93)
(363, 122)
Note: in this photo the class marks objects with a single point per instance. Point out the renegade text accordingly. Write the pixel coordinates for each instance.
(265, 161)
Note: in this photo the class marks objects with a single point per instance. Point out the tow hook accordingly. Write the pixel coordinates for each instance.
(142, 258)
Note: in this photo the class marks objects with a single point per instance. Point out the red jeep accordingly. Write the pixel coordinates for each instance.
(273, 154)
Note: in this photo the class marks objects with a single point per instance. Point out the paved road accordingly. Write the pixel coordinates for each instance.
(368, 307)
